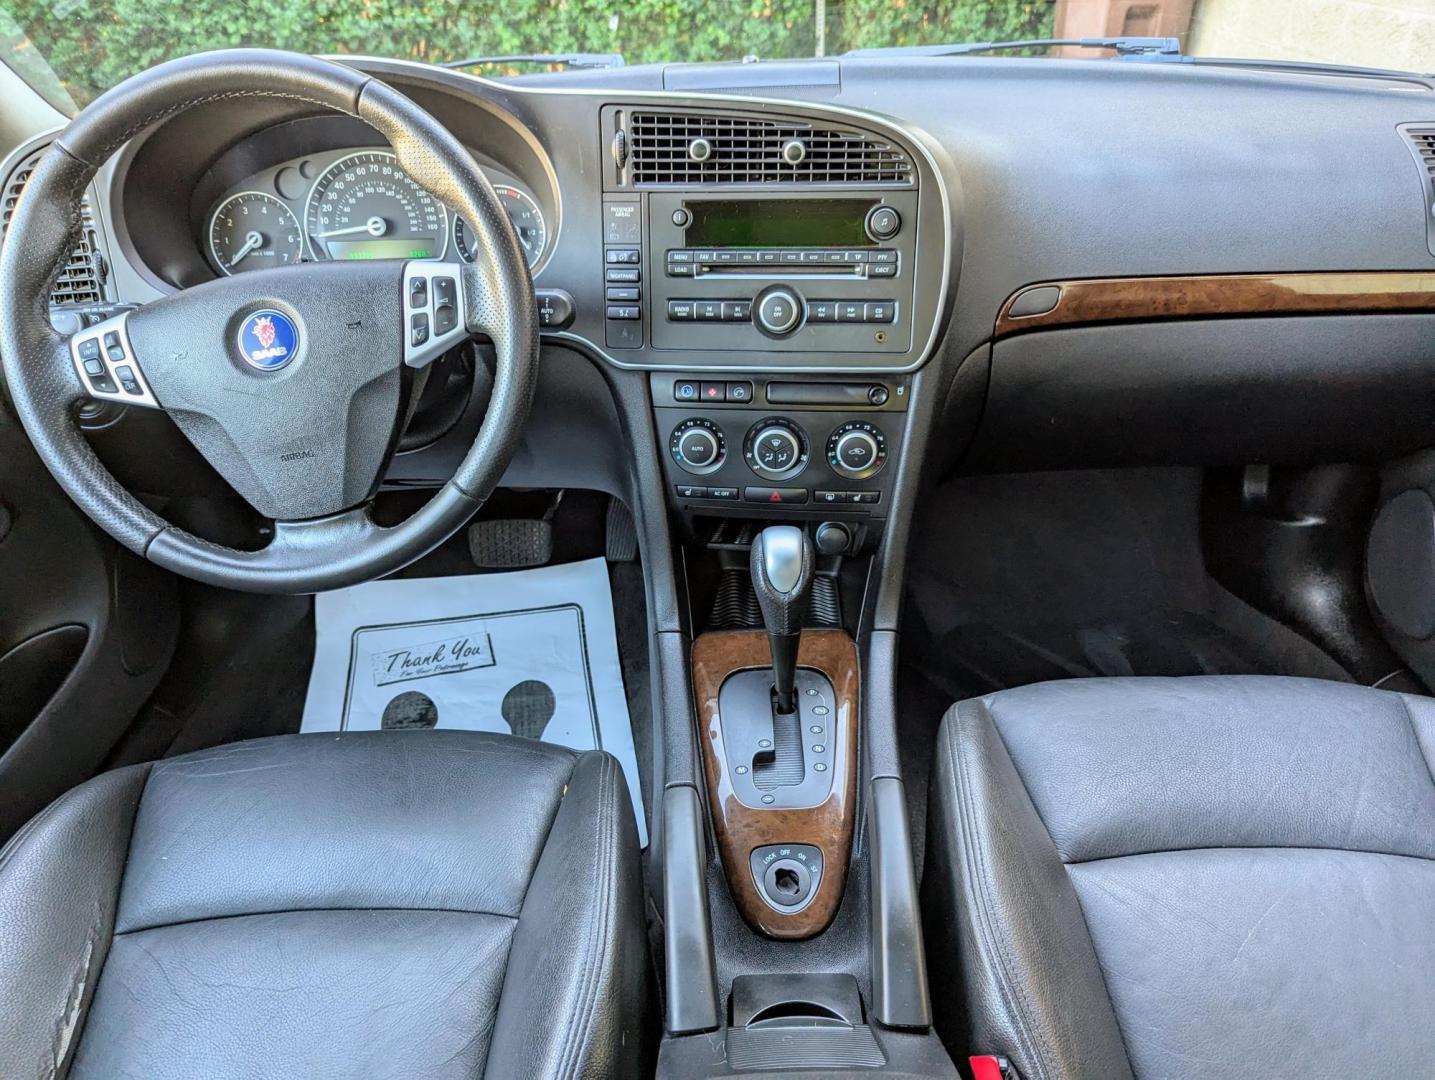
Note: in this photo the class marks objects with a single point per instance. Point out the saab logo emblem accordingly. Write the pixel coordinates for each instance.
(268, 340)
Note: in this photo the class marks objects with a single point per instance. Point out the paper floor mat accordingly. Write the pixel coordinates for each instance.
(532, 652)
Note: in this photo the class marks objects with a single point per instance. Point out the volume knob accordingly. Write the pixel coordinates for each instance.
(779, 311)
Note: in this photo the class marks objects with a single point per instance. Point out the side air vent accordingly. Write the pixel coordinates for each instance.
(1421, 140)
(81, 280)
(708, 148)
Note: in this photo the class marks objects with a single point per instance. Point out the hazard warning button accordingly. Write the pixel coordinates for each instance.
(774, 495)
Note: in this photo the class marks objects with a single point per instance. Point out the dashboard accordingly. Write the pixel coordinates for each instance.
(818, 277)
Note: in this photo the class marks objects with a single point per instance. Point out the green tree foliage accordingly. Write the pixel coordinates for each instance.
(93, 44)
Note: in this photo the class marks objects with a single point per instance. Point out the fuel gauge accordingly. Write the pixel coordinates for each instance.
(253, 231)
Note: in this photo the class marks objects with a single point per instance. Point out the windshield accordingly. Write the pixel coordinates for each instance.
(71, 50)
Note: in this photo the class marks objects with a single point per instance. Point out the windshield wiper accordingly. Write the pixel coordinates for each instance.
(1156, 48)
(568, 60)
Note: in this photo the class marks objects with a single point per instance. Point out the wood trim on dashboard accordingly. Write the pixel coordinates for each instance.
(740, 828)
(1054, 304)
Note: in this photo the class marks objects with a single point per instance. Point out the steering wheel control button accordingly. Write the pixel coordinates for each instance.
(883, 223)
(778, 311)
(105, 361)
(775, 449)
(434, 306)
(445, 304)
(857, 450)
(697, 446)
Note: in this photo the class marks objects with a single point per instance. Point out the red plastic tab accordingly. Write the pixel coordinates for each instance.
(986, 1067)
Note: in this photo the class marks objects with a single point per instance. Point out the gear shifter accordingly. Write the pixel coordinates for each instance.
(782, 561)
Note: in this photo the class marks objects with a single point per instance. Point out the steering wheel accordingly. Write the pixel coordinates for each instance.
(292, 382)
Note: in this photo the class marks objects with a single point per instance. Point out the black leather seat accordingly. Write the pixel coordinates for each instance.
(1203, 877)
(428, 904)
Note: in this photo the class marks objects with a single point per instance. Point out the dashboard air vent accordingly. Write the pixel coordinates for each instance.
(708, 148)
(1421, 140)
(79, 281)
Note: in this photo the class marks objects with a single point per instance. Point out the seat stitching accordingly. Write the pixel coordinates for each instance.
(577, 1033)
(307, 910)
(1252, 847)
(73, 1050)
(1415, 733)
(996, 945)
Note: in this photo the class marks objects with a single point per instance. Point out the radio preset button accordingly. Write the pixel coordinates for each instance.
(769, 256)
(791, 258)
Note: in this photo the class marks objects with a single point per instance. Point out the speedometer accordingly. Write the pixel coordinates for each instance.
(364, 206)
(527, 222)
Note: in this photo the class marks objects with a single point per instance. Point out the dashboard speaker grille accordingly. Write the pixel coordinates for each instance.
(80, 280)
(709, 148)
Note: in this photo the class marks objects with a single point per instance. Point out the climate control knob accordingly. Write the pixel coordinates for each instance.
(776, 448)
(857, 450)
(778, 311)
(697, 446)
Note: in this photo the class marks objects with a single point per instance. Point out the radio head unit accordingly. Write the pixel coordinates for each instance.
(802, 272)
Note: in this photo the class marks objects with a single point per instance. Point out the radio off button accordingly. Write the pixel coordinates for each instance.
(779, 311)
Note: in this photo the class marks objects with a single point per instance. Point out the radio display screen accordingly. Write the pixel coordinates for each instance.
(769, 223)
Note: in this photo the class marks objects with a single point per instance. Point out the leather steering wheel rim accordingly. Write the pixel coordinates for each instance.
(309, 554)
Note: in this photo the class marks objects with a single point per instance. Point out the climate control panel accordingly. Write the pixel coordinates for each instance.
(825, 450)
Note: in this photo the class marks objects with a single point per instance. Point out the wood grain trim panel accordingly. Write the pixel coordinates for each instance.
(739, 828)
(1114, 300)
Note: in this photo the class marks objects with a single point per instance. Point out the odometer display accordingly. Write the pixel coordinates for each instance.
(364, 206)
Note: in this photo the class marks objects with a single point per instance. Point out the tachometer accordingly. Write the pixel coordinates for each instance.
(527, 222)
(253, 231)
(364, 206)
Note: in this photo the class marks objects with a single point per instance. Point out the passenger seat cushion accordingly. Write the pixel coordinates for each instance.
(1247, 861)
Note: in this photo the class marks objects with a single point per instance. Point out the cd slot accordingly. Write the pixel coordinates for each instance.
(780, 271)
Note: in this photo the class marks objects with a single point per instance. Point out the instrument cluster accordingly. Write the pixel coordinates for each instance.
(351, 204)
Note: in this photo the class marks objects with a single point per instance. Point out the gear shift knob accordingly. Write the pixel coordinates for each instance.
(782, 559)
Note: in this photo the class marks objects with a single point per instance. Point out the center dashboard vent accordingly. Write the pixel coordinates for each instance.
(710, 148)
(82, 279)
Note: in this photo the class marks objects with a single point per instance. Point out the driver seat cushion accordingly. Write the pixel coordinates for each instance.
(1196, 877)
(436, 904)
